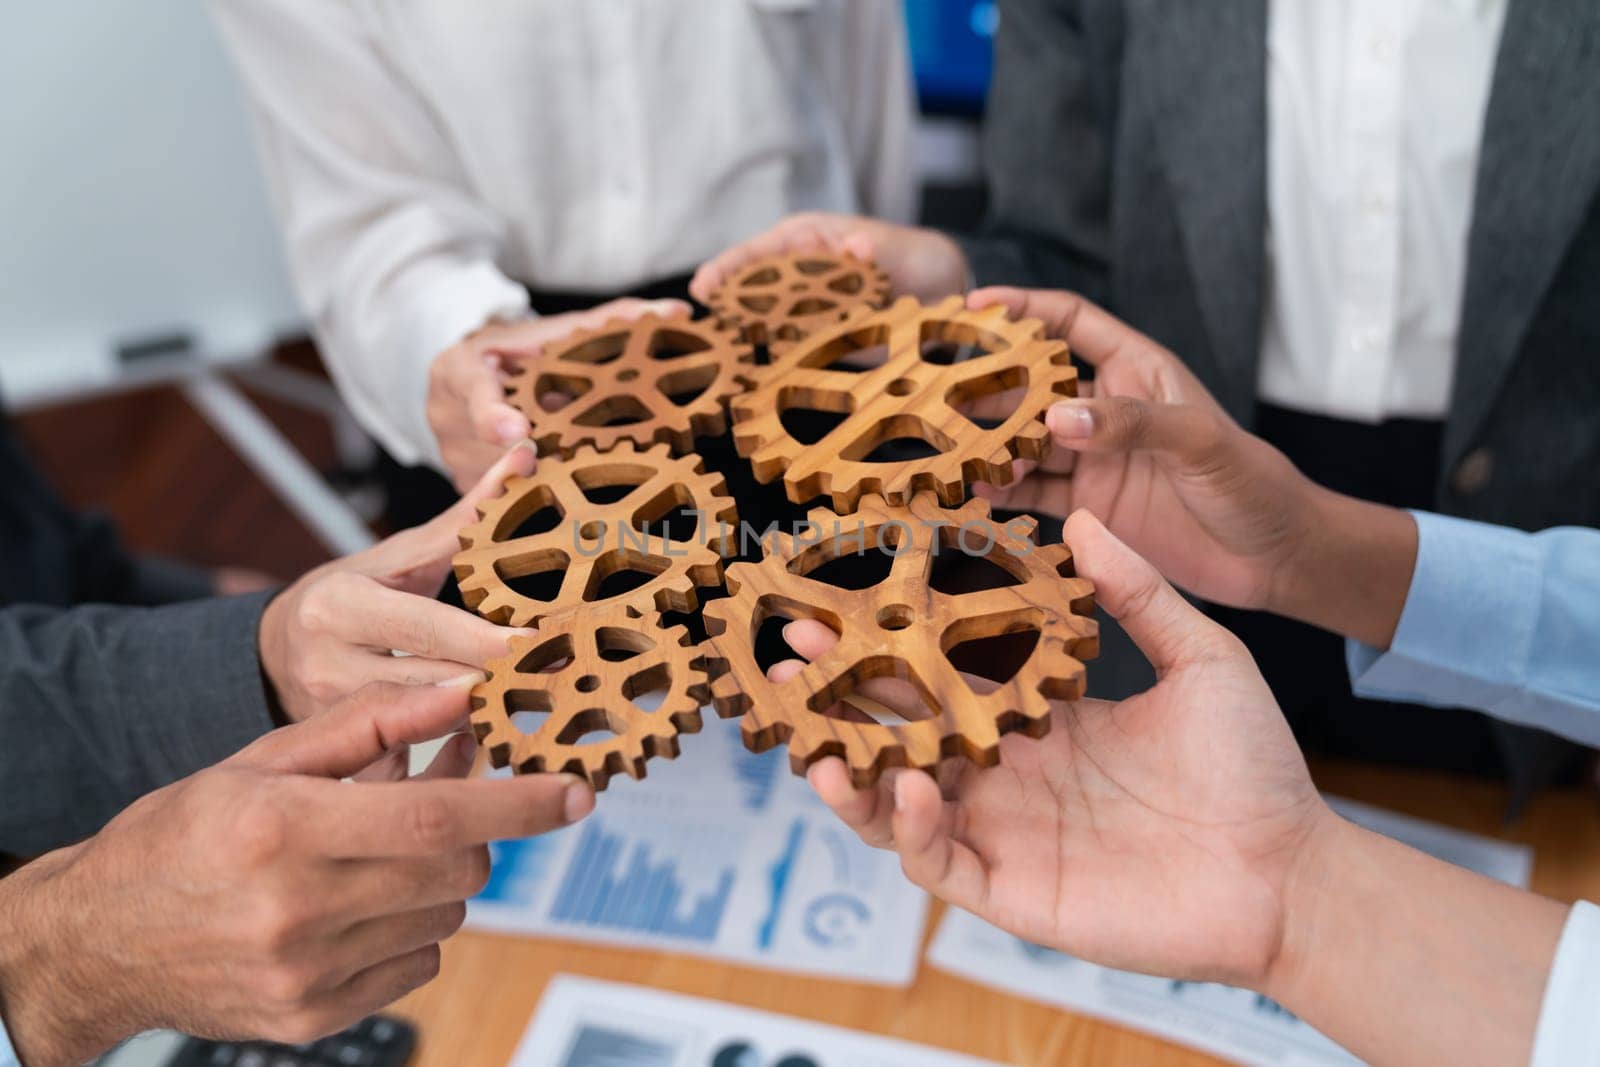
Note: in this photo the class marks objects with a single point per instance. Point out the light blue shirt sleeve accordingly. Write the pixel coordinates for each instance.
(1498, 620)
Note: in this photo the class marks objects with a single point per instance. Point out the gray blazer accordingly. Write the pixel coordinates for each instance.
(100, 705)
(1126, 154)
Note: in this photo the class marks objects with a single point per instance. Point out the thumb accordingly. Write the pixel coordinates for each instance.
(356, 732)
(415, 560)
(1170, 631)
(1190, 435)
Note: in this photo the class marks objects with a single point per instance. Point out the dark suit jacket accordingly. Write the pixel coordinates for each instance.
(1126, 153)
(101, 703)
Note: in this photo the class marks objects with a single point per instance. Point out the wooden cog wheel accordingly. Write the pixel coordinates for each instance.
(644, 381)
(902, 627)
(905, 398)
(784, 299)
(615, 691)
(591, 529)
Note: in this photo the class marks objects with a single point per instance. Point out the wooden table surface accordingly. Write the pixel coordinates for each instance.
(474, 1014)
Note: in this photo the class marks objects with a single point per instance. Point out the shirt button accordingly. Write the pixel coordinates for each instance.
(1473, 473)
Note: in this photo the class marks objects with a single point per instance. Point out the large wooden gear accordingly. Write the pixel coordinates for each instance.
(649, 380)
(904, 628)
(610, 665)
(589, 542)
(778, 301)
(904, 396)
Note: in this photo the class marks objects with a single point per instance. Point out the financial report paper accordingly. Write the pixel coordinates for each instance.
(585, 1023)
(718, 853)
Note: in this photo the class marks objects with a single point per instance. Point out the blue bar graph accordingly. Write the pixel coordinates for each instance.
(757, 777)
(520, 865)
(648, 895)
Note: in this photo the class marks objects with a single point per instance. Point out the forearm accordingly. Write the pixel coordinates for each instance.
(54, 1016)
(1352, 570)
(1402, 958)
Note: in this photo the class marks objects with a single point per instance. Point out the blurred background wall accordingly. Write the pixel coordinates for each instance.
(132, 210)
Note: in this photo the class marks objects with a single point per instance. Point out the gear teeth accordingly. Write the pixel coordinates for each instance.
(682, 568)
(789, 287)
(618, 380)
(974, 453)
(775, 713)
(635, 737)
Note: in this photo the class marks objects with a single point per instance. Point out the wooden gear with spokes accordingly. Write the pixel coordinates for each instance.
(778, 301)
(607, 666)
(588, 542)
(649, 380)
(901, 627)
(905, 396)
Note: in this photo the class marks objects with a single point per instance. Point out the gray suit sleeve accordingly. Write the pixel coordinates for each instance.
(101, 704)
(1047, 144)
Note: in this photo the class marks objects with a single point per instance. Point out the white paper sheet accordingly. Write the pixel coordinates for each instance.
(718, 853)
(1234, 1024)
(585, 1023)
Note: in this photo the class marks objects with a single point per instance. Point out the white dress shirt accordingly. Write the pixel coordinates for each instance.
(427, 159)
(1569, 1026)
(1375, 122)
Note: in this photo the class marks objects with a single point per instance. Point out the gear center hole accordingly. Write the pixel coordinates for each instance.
(588, 683)
(902, 387)
(895, 617)
(627, 374)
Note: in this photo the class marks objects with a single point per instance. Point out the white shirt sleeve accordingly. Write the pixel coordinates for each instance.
(8, 1055)
(1569, 1020)
(393, 257)
(880, 110)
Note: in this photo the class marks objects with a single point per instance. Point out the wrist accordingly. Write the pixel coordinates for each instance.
(1308, 908)
(53, 1013)
(1351, 570)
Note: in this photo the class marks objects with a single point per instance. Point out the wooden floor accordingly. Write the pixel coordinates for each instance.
(149, 460)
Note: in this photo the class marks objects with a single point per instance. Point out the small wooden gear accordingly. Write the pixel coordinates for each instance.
(589, 542)
(905, 396)
(652, 379)
(596, 727)
(783, 299)
(901, 627)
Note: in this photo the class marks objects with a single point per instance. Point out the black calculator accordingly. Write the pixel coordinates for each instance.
(381, 1041)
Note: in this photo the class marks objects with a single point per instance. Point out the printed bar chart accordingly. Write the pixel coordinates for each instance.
(649, 897)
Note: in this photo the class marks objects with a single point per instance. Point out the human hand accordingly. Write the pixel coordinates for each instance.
(336, 629)
(467, 406)
(264, 897)
(1158, 834)
(920, 262)
(1215, 508)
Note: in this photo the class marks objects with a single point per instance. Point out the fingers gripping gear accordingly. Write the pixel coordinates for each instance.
(644, 381)
(903, 628)
(585, 544)
(596, 726)
(906, 395)
(784, 299)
